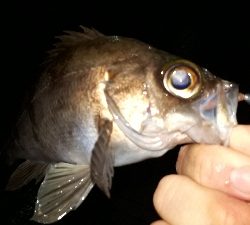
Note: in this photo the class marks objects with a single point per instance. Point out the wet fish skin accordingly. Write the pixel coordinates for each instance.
(107, 101)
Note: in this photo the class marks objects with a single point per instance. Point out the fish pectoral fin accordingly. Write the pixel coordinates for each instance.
(64, 188)
(102, 160)
(25, 173)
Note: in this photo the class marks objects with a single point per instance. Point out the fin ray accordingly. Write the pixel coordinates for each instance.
(102, 160)
(25, 173)
(64, 188)
(71, 39)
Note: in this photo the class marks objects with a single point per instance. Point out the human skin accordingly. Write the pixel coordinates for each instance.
(212, 185)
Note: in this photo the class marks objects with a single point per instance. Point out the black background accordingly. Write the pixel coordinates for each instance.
(213, 36)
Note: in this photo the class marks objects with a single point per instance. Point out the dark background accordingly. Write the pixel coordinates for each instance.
(215, 37)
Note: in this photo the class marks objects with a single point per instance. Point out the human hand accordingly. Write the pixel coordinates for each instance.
(212, 185)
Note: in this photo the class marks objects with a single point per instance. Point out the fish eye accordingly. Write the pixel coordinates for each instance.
(182, 79)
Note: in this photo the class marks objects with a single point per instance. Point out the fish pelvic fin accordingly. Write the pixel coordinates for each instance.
(25, 173)
(64, 188)
(102, 160)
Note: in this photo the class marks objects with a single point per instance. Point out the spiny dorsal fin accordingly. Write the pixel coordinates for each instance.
(73, 38)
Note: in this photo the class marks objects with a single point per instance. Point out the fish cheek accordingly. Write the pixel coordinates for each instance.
(127, 92)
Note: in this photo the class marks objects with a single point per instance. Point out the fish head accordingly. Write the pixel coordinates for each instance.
(179, 102)
(203, 106)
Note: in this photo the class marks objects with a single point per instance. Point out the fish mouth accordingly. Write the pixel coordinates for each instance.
(218, 107)
(226, 118)
(231, 98)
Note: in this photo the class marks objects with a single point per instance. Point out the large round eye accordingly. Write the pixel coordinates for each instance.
(182, 79)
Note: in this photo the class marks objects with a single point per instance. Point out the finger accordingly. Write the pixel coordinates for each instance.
(181, 201)
(216, 167)
(160, 222)
(240, 139)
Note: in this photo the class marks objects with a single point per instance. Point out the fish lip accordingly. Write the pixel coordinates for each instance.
(231, 94)
(210, 119)
(219, 106)
(227, 109)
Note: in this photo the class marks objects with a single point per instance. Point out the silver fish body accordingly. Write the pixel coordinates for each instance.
(111, 101)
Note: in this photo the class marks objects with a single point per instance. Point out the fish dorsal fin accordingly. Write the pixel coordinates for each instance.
(25, 173)
(72, 39)
(102, 160)
(64, 187)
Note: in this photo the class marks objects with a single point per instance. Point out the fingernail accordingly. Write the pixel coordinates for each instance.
(180, 158)
(240, 179)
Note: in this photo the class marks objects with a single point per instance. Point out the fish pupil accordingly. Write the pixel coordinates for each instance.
(180, 79)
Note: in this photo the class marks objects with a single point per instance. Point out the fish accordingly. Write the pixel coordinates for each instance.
(108, 101)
